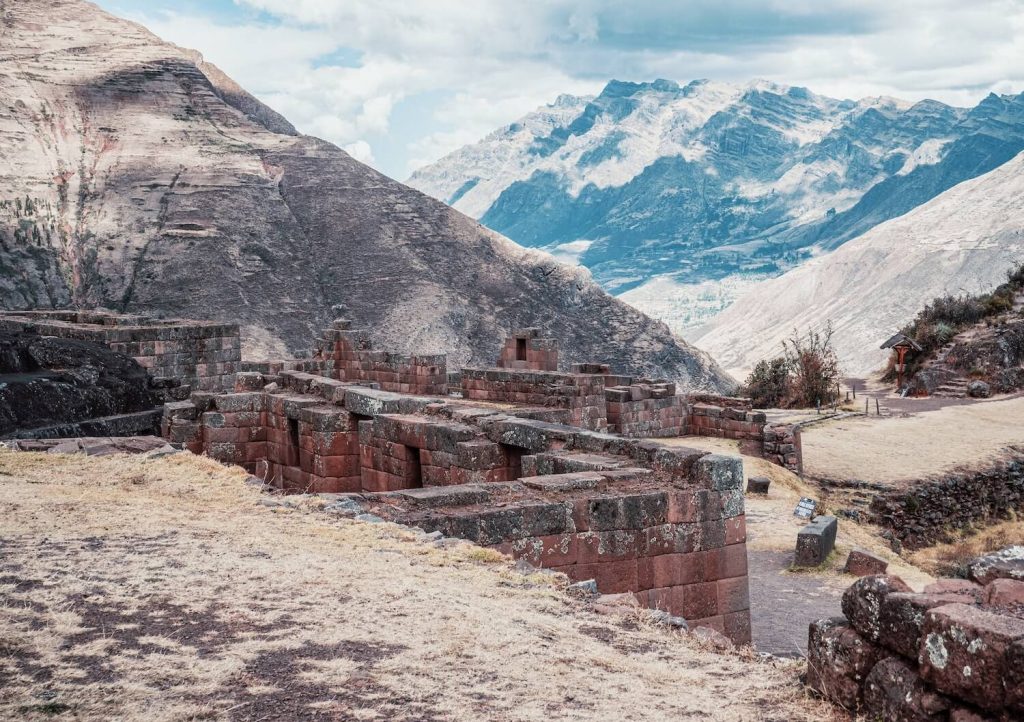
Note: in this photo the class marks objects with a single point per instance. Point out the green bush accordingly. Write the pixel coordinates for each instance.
(768, 384)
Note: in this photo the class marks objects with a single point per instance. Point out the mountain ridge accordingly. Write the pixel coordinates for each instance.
(716, 183)
(135, 175)
(962, 241)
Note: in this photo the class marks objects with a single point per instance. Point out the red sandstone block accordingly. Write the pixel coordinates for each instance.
(716, 623)
(966, 652)
(669, 570)
(255, 451)
(737, 626)
(373, 481)
(733, 595)
(659, 598)
(695, 601)
(736, 530)
(337, 466)
(214, 435)
(727, 562)
(334, 443)
(670, 539)
(608, 546)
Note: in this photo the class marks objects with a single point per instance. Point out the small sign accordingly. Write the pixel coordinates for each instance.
(805, 508)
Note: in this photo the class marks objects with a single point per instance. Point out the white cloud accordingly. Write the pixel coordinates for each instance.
(361, 151)
(492, 61)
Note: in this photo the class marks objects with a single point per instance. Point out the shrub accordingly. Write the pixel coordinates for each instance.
(807, 374)
(815, 367)
(768, 384)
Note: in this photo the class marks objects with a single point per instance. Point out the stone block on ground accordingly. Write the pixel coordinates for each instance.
(1006, 563)
(966, 652)
(839, 660)
(862, 564)
(758, 485)
(816, 541)
(862, 602)
(1004, 593)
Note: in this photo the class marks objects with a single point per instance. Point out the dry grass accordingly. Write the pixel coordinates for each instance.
(951, 559)
(162, 590)
(891, 449)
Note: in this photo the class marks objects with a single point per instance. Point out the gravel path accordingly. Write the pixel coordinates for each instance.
(783, 604)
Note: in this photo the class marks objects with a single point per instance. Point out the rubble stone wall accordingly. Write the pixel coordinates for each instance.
(201, 354)
(781, 445)
(728, 422)
(931, 510)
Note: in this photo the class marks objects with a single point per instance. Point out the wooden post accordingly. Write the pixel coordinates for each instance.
(865, 407)
(877, 410)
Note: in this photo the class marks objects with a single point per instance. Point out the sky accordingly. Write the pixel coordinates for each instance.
(401, 83)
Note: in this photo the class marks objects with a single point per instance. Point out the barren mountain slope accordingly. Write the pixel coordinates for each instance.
(962, 241)
(135, 175)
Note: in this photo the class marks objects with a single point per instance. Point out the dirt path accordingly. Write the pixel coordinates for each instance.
(164, 590)
(890, 449)
(784, 602)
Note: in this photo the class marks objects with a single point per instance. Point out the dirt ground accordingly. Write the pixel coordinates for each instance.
(896, 448)
(164, 590)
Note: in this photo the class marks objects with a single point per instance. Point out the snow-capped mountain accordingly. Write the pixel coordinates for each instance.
(680, 197)
(962, 241)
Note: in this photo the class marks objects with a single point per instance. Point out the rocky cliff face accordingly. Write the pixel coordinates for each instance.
(136, 176)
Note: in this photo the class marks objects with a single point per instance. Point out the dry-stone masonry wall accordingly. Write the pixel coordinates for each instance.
(200, 354)
(931, 511)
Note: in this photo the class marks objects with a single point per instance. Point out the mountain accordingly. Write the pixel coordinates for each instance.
(679, 197)
(962, 241)
(137, 176)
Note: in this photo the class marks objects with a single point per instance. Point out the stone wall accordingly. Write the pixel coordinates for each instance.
(729, 422)
(201, 354)
(932, 510)
(781, 444)
(583, 395)
(954, 652)
(526, 350)
(666, 523)
(645, 409)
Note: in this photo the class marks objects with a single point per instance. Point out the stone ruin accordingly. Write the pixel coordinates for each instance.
(558, 468)
(952, 653)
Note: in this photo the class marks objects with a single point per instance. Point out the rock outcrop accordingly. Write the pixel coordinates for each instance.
(134, 175)
(51, 383)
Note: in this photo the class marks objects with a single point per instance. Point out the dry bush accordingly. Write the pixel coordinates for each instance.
(806, 375)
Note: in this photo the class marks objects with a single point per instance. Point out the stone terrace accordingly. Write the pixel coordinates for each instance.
(553, 467)
(663, 523)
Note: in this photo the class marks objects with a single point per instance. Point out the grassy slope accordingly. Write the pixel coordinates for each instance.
(163, 590)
